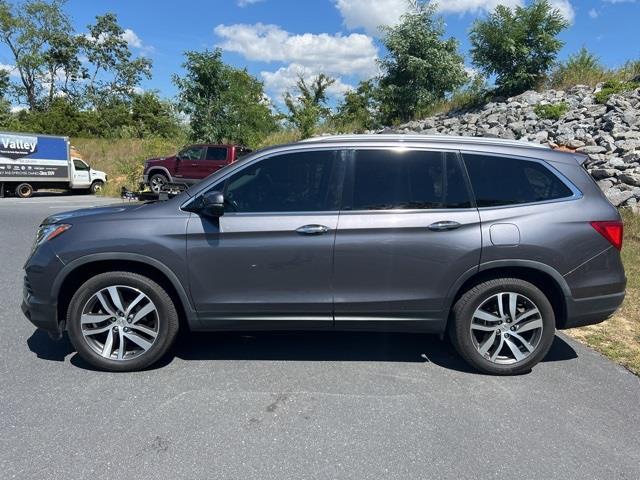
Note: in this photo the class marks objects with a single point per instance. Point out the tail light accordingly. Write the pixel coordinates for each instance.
(611, 230)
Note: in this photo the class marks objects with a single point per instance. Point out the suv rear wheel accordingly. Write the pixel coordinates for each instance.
(121, 321)
(503, 326)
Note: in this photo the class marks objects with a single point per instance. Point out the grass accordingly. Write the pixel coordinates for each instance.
(123, 159)
(610, 88)
(619, 337)
(551, 111)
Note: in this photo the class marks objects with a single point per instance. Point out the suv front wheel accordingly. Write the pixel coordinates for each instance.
(121, 321)
(503, 326)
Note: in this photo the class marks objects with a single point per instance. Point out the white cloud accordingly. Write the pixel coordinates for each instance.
(371, 14)
(129, 36)
(11, 69)
(619, 1)
(132, 38)
(593, 13)
(353, 54)
(565, 8)
(475, 6)
(18, 108)
(134, 41)
(284, 79)
(244, 3)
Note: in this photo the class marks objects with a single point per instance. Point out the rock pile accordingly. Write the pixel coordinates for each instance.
(608, 133)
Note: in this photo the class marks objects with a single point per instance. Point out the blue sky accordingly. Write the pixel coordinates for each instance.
(278, 39)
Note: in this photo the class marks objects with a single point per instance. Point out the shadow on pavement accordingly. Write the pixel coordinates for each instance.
(300, 346)
(46, 348)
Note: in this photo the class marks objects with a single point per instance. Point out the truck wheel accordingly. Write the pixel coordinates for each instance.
(96, 187)
(157, 182)
(24, 190)
(121, 321)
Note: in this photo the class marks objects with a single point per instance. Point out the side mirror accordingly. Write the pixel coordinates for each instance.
(212, 204)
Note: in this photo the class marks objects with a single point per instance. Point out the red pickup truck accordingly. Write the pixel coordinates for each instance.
(190, 165)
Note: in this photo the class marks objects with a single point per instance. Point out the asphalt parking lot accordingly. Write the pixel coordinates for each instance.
(298, 405)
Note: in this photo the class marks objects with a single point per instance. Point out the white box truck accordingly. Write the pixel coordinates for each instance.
(30, 162)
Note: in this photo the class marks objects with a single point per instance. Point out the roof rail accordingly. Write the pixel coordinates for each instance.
(425, 138)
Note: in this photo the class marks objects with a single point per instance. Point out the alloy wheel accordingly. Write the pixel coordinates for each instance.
(157, 183)
(120, 322)
(506, 328)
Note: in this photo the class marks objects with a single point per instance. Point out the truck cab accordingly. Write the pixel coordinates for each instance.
(85, 177)
(190, 165)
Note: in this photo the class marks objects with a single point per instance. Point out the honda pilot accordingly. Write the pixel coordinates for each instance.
(497, 243)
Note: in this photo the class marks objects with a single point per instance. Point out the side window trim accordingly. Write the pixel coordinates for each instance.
(467, 179)
(576, 192)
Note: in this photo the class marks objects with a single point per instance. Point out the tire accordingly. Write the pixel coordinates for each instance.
(24, 190)
(496, 344)
(122, 343)
(157, 181)
(96, 187)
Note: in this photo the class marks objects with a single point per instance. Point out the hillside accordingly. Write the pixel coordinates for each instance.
(608, 132)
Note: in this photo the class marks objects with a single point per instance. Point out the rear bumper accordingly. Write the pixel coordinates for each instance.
(589, 311)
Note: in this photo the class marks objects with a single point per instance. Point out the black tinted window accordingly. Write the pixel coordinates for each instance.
(506, 181)
(216, 153)
(294, 182)
(79, 165)
(390, 179)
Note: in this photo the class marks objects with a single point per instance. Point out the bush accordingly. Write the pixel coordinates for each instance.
(582, 68)
(550, 111)
(611, 88)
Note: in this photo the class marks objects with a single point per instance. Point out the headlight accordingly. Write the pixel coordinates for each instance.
(48, 232)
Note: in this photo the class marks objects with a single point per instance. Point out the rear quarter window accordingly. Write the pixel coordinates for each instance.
(499, 181)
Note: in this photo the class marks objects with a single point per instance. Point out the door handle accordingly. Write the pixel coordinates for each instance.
(443, 226)
(312, 230)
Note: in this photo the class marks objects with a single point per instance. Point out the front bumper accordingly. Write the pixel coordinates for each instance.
(43, 316)
(39, 304)
(589, 311)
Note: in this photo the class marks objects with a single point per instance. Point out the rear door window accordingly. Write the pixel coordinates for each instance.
(499, 181)
(406, 179)
(216, 153)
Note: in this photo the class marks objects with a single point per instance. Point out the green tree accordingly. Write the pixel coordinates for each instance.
(34, 31)
(518, 45)
(224, 104)
(358, 110)
(152, 116)
(5, 105)
(421, 67)
(112, 70)
(308, 108)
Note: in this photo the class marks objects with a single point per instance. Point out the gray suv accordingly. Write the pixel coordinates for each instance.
(498, 243)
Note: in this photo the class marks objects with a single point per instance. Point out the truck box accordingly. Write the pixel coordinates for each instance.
(29, 162)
